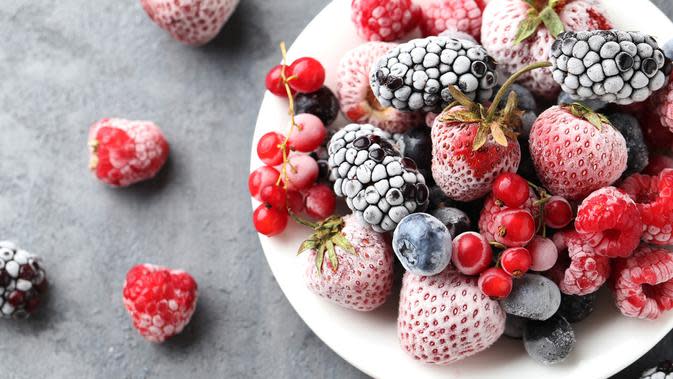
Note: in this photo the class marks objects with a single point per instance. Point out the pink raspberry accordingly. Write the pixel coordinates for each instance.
(358, 102)
(609, 222)
(578, 271)
(643, 283)
(454, 15)
(654, 198)
(487, 219)
(384, 20)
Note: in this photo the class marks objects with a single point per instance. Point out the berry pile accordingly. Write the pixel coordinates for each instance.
(508, 204)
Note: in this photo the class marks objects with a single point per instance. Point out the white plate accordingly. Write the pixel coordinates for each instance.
(606, 342)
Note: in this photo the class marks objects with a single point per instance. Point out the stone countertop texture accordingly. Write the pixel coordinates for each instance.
(63, 65)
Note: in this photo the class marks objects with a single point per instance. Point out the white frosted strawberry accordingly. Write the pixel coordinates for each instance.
(357, 101)
(348, 263)
(446, 317)
(516, 33)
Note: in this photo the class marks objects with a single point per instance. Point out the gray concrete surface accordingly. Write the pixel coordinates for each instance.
(67, 63)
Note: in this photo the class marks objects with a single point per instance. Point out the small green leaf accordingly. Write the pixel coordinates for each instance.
(461, 98)
(552, 21)
(481, 137)
(528, 26)
(343, 243)
(594, 120)
(512, 103)
(498, 134)
(580, 110)
(319, 257)
(460, 116)
(331, 255)
(306, 245)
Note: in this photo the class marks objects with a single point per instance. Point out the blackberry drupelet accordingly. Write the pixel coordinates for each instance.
(22, 281)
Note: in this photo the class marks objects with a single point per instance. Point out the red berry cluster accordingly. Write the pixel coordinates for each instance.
(287, 184)
(516, 211)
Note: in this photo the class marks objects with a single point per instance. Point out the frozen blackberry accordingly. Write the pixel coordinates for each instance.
(576, 308)
(416, 75)
(380, 186)
(610, 65)
(635, 142)
(22, 281)
(664, 370)
(321, 103)
(549, 341)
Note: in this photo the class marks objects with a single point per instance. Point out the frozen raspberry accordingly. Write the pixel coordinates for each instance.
(643, 283)
(656, 135)
(355, 94)
(124, 152)
(384, 20)
(160, 301)
(22, 281)
(441, 15)
(487, 225)
(578, 271)
(654, 198)
(608, 220)
(194, 22)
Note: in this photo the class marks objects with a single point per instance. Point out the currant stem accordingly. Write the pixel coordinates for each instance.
(512, 79)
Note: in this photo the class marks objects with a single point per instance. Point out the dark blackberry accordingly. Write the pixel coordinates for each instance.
(416, 144)
(635, 142)
(576, 308)
(22, 281)
(321, 103)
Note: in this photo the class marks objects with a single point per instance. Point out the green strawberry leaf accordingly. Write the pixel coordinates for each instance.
(551, 20)
(460, 116)
(307, 245)
(481, 137)
(461, 98)
(331, 255)
(528, 26)
(343, 243)
(580, 110)
(320, 256)
(498, 134)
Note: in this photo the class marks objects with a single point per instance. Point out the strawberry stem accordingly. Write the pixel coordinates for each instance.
(493, 109)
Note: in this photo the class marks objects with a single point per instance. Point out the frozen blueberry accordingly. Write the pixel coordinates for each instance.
(438, 199)
(594, 104)
(526, 99)
(635, 143)
(527, 121)
(576, 308)
(321, 103)
(515, 326)
(550, 341)
(534, 297)
(422, 244)
(456, 221)
(418, 146)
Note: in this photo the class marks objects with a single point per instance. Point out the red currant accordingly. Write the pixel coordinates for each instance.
(302, 172)
(495, 283)
(269, 148)
(557, 212)
(269, 221)
(543, 253)
(320, 201)
(515, 261)
(260, 178)
(511, 189)
(295, 202)
(471, 253)
(309, 134)
(274, 195)
(274, 80)
(308, 73)
(516, 227)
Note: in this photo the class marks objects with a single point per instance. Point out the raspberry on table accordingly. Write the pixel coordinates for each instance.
(609, 222)
(643, 283)
(22, 281)
(654, 198)
(384, 20)
(159, 300)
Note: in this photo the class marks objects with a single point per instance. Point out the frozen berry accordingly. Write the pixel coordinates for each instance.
(495, 283)
(543, 253)
(525, 98)
(463, 16)
(490, 209)
(511, 189)
(422, 244)
(610, 222)
(22, 281)
(654, 196)
(455, 220)
(274, 81)
(533, 297)
(471, 254)
(384, 20)
(515, 261)
(260, 178)
(295, 201)
(125, 152)
(438, 199)
(557, 212)
(594, 104)
(269, 148)
(418, 146)
(515, 227)
(159, 300)
(656, 135)
(576, 308)
(269, 220)
(550, 341)
(664, 369)
(635, 143)
(308, 75)
(309, 133)
(274, 195)
(514, 326)
(320, 201)
(657, 164)
(578, 271)
(321, 103)
(302, 172)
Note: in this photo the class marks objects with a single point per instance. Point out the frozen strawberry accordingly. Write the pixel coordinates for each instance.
(609, 221)
(643, 283)
(357, 100)
(578, 270)
(446, 317)
(348, 263)
(654, 197)
(454, 15)
(125, 152)
(159, 300)
(193, 22)
(515, 35)
(384, 20)
(573, 156)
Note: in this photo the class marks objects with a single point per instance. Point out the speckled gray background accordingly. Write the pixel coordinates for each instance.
(67, 63)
